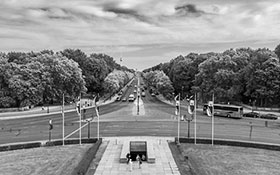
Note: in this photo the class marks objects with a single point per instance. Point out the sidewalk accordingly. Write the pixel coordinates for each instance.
(110, 165)
(37, 111)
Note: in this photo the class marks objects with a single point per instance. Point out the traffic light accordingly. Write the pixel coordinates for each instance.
(50, 125)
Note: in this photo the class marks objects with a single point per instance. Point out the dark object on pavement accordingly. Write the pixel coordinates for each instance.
(269, 116)
(252, 114)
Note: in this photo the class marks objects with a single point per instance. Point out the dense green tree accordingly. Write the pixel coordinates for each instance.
(116, 80)
(160, 81)
(277, 51)
(60, 75)
(262, 77)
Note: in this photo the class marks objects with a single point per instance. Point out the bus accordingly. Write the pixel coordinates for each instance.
(224, 110)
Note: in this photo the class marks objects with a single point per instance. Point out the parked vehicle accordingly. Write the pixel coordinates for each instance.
(252, 115)
(131, 98)
(269, 116)
(118, 98)
(124, 99)
(143, 94)
(153, 95)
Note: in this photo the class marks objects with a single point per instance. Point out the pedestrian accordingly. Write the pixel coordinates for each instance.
(128, 156)
(143, 157)
(130, 164)
(139, 160)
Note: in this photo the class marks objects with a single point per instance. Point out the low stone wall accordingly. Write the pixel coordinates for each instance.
(41, 144)
(26, 108)
(258, 145)
(87, 159)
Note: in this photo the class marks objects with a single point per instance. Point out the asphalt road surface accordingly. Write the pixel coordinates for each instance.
(151, 118)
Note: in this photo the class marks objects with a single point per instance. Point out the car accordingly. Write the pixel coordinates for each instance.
(118, 98)
(153, 95)
(135, 91)
(252, 114)
(120, 93)
(131, 98)
(124, 99)
(269, 116)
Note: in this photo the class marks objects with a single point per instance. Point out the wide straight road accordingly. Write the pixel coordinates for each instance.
(151, 118)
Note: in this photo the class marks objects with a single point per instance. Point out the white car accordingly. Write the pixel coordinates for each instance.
(131, 98)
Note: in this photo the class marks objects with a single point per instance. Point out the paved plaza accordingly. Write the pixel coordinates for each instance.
(164, 165)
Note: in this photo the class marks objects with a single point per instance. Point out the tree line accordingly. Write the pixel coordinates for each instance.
(250, 76)
(39, 78)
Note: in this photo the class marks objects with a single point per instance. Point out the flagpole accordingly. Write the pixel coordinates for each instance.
(179, 114)
(213, 119)
(97, 124)
(80, 120)
(97, 113)
(195, 118)
(63, 119)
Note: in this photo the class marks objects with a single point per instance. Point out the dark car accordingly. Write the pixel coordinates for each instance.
(252, 115)
(269, 116)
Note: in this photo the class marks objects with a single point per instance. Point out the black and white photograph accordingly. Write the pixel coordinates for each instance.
(142, 87)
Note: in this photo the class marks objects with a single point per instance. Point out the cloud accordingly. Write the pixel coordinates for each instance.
(188, 9)
(145, 26)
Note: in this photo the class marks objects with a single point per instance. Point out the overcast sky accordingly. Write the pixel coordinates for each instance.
(143, 32)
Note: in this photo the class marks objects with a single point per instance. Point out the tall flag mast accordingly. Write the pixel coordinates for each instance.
(178, 113)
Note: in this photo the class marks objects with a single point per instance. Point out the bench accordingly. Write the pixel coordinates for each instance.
(125, 150)
(150, 153)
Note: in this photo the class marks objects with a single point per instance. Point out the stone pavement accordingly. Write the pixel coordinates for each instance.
(164, 165)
